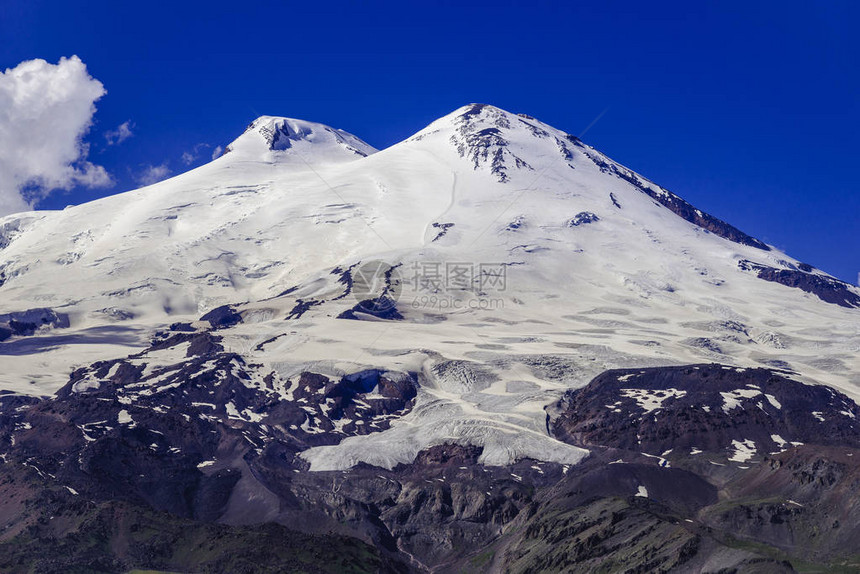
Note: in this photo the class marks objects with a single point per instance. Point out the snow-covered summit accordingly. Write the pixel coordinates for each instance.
(495, 140)
(280, 139)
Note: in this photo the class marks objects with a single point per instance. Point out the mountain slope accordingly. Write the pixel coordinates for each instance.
(387, 344)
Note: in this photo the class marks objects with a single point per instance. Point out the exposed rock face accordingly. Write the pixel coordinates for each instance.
(12, 228)
(824, 287)
(622, 535)
(783, 453)
(58, 531)
(379, 307)
(729, 413)
(442, 229)
(618, 517)
(206, 383)
(282, 134)
(582, 218)
(222, 317)
(816, 506)
(480, 139)
(26, 323)
(188, 438)
(379, 301)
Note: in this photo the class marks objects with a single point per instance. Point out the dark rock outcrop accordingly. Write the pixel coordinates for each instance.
(582, 218)
(802, 498)
(211, 443)
(222, 317)
(826, 288)
(26, 323)
(380, 308)
(442, 229)
(725, 412)
(486, 145)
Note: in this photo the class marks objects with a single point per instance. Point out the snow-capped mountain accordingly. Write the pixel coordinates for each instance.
(338, 305)
(587, 266)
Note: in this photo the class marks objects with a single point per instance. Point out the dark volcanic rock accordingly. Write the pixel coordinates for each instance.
(181, 447)
(448, 455)
(301, 307)
(824, 287)
(380, 308)
(615, 517)
(486, 145)
(445, 504)
(221, 388)
(26, 323)
(723, 411)
(621, 535)
(59, 531)
(443, 229)
(582, 218)
(191, 437)
(222, 317)
(802, 498)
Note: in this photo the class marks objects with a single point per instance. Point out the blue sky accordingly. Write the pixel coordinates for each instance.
(748, 110)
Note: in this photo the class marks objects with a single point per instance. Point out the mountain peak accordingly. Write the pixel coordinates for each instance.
(518, 146)
(475, 113)
(277, 138)
(495, 140)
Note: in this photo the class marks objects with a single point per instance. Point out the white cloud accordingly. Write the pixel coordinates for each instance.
(45, 110)
(153, 174)
(120, 134)
(190, 157)
(216, 153)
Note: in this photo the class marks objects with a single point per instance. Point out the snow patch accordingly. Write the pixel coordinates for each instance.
(744, 450)
(732, 399)
(780, 442)
(651, 400)
(124, 418)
